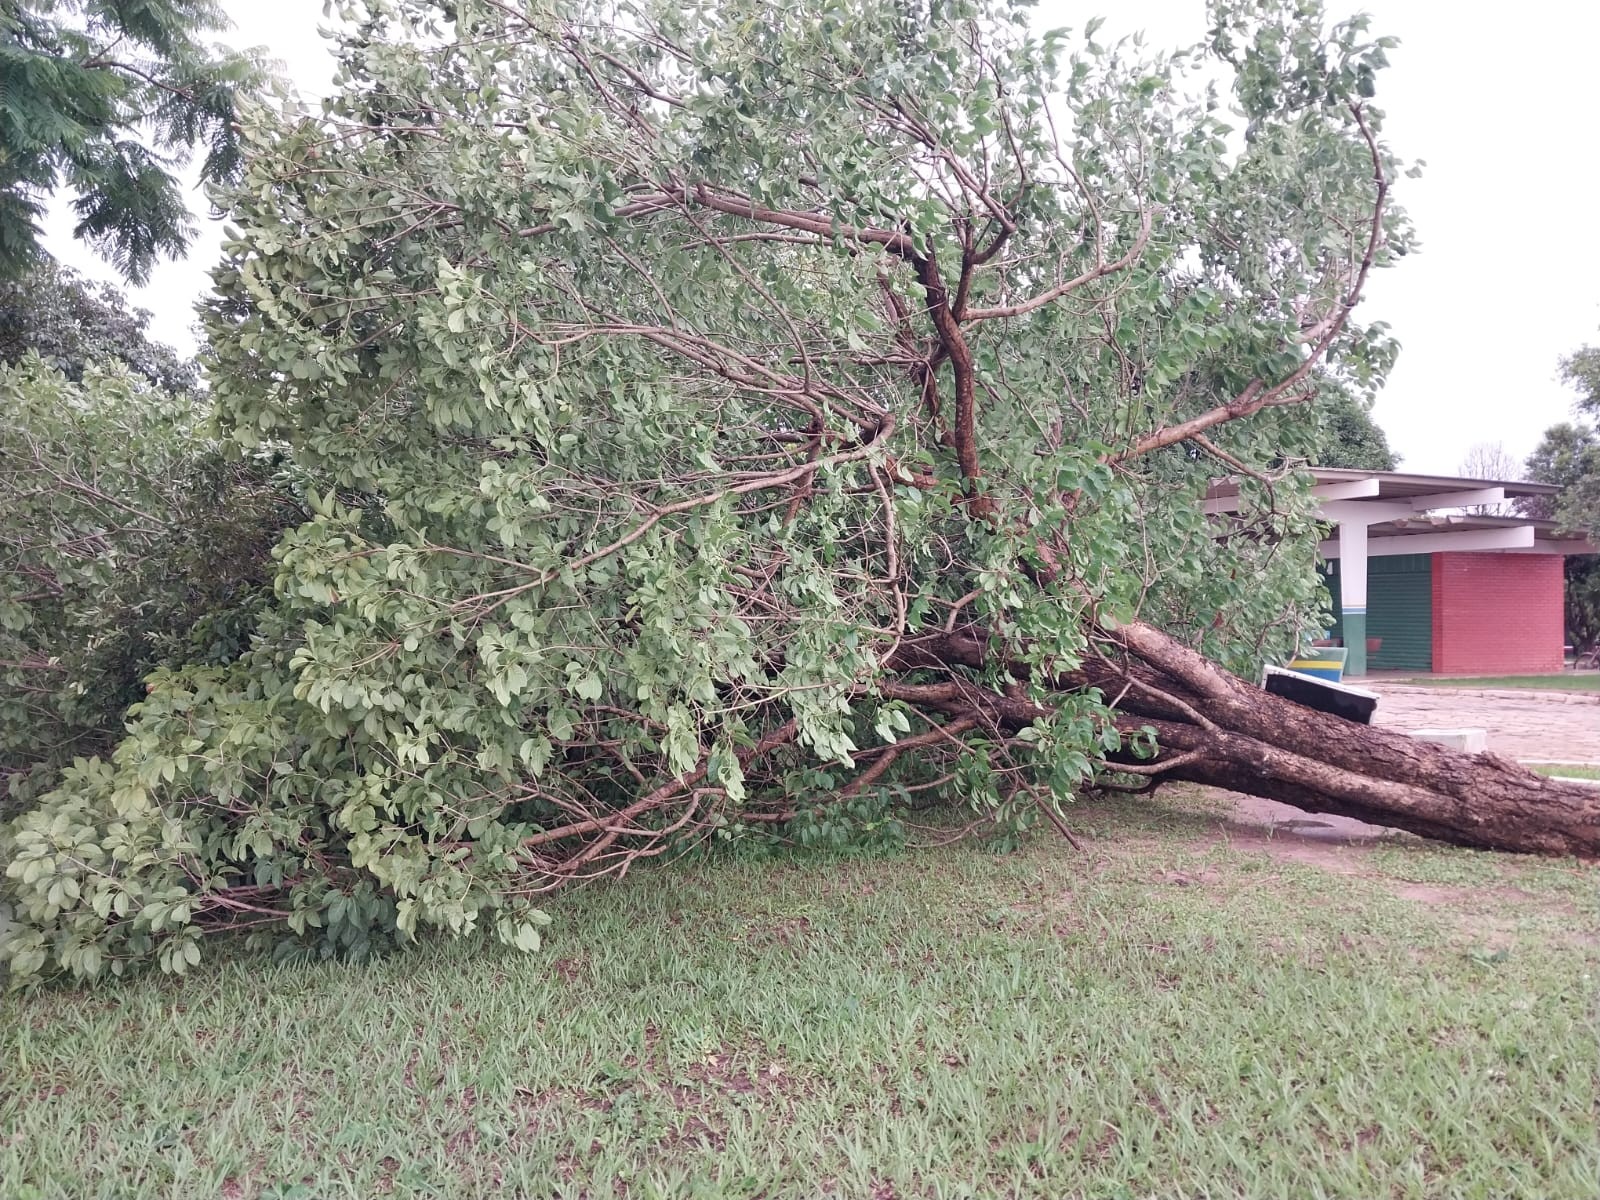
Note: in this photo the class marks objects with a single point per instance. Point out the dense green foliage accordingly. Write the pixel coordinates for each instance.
(719, 415)
(1569, 455)
(128, 542)
(1353, 439)
(102, 99)
(71, 323)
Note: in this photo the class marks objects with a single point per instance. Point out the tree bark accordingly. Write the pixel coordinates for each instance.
(1472, 800)
(1267, 746)
(1216, 729)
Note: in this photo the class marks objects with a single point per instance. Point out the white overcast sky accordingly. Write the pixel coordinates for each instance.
(1500, 103)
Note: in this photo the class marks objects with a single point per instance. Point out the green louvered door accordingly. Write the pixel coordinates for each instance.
(1399, 610)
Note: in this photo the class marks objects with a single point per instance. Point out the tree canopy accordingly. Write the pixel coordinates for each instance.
(128, 542)
(1569, 455)
(1353, 439)
(726, 420)
(72, 324)
(104, 99)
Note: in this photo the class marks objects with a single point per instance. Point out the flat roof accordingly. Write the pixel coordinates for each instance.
(1439, 522)
(1402, 484)
(1398, 485)
(1424, 504)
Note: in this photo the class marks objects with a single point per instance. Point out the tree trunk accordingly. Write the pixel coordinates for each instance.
(1214, 728)
(1239, 737)
(1472, 800)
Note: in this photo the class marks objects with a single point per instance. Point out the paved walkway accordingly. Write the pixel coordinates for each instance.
(1528, 725)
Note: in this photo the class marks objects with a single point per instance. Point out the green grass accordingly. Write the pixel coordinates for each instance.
(1569, 770)
(1568, 681)
(1173, 1014)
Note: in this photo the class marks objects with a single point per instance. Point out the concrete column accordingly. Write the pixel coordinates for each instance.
(1353, 594)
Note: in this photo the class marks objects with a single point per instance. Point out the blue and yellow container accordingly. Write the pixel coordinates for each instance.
(1320, 662)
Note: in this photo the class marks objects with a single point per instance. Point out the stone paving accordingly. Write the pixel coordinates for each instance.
(1527, 725)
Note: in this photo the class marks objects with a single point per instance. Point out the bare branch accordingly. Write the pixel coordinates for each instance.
(1257, 395)
(1099, 271)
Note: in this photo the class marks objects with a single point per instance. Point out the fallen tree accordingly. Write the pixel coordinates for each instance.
(760, 421)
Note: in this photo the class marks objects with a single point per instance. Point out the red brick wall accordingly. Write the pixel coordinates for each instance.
(1497, 614)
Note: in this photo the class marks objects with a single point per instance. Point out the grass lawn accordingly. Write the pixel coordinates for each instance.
(1567, 681)
(1570, 770)
(1174, 1013)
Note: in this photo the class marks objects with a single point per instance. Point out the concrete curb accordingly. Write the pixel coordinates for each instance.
(1390, 689)
(1531, 762)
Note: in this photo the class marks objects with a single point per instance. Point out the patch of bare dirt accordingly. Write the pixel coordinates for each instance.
(1493, 917)
(695, 1091)
(1434, 895)
(1189, 879)
(1254, 812)
(570, 970)
(1287, 834)
(1341, 858)
(784, 931)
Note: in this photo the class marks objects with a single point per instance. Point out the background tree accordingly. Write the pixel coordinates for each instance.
(127, 539)
(128, 542)
(1352, 438)
(1491, 460)
(103, 99)
(735, 418)
(1569, 456)
(72, 323)
(1581, 370)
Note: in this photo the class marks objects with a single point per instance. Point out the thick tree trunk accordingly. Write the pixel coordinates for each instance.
(1237, 736)
(1214, 728)
(1472, 800)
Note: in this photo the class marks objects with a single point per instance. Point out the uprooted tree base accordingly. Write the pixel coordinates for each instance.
(1213, 728)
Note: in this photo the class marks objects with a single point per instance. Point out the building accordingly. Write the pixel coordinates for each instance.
(1420, 585)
